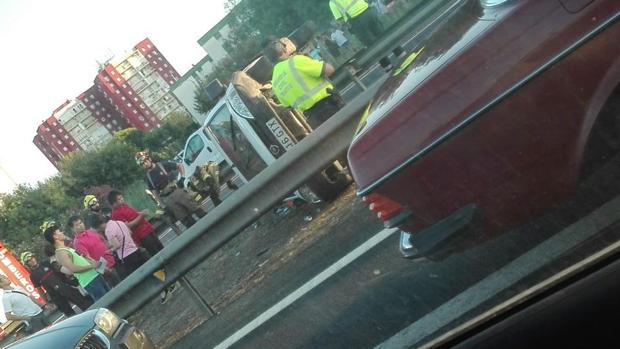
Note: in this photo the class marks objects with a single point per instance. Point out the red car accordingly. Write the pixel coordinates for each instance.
(498, 111)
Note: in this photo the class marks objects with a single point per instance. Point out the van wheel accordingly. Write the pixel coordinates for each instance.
(330, 182)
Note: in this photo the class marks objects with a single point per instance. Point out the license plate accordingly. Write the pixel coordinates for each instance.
(274, 126)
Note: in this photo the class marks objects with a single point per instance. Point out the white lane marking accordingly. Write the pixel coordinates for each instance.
(307, 287)
(506, 277)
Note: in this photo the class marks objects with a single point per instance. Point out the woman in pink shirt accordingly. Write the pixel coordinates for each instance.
(88, 242)
(129, 257)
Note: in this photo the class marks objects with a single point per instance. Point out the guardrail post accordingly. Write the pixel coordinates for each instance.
(196, 295)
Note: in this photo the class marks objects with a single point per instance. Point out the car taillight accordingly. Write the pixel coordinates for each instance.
(384, 208)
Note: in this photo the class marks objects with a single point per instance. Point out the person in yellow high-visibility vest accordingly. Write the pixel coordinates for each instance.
(301, 82)
(364, 24)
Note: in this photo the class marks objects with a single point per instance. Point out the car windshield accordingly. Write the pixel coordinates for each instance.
(353, 174)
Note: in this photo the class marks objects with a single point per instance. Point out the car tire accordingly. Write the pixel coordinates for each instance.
(330, 182)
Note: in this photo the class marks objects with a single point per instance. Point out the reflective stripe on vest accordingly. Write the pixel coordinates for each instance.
(308, 92)
(344, 11)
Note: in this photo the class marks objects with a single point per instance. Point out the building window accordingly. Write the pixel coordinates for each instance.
(65, 148)
(72, 143)
(59, 141)
(66, 136)
(161, 59)
(155, 53)
(147, 112)
(141, 118)
(135, 111)
(148, 45)
(114, 122)
(117, 91)
(135, 99)
(118, 79)
(160, 69)
(53, 136)
(142, 105)
(97, 112)
(129, 93)
(128, 104)
(123, 98)
(108, 126)
(107, 79)
(92, 96)
(142, 49)
(124, 85)
(148, 56)
(60, 130)
(166, 65)
(154, 62)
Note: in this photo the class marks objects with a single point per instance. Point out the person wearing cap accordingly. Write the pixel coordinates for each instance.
(301, 82)
(162, 182)
(18, 306)
(43, 274)
(84, 268)
(364, 24)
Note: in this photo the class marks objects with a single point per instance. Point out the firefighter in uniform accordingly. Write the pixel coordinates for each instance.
(206, 181)
(364, 25)
(55, 284)
(165, 187)
(302, 83)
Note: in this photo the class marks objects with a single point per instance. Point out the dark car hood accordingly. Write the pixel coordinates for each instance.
(63, 335)
(403, 104)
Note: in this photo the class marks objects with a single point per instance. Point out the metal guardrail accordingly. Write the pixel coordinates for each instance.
(239, 210)
(251, 201)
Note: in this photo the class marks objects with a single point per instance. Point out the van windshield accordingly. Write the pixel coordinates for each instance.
(234, 143)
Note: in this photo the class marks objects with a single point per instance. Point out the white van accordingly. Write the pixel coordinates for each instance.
(199, 150)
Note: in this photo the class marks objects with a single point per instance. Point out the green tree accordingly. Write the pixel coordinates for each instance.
(113, 165)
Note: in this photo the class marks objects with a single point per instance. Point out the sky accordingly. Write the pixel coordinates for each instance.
(49, 50)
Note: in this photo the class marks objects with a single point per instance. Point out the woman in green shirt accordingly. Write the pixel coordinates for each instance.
(83, 268)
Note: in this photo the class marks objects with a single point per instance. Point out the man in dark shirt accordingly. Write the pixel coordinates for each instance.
(161, 180)
(60, 293)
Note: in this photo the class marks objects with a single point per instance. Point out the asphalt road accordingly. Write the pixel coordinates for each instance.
(351, 289)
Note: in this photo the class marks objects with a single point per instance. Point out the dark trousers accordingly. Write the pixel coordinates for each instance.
(152, 244)
(37, 323)
(323, 110)
(130, 263)
(65, 295)
(366, 27)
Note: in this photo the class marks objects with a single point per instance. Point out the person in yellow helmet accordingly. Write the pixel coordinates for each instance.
(92, 205)
(363, 22)
(301, 82)
(58, 290)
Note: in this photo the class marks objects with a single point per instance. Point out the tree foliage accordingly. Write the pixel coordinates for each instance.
(94, 172)
(254, 20)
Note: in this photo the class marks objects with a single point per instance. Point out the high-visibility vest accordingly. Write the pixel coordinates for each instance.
(346, 9)
(297, 82)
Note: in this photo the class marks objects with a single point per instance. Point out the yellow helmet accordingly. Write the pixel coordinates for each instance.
(89, 199)
(25, 256)
(46, 225)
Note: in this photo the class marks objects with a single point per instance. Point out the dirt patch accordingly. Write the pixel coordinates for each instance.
(245, 262)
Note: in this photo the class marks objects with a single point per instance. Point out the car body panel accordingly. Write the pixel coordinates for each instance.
(496, 110)
(72, 331)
